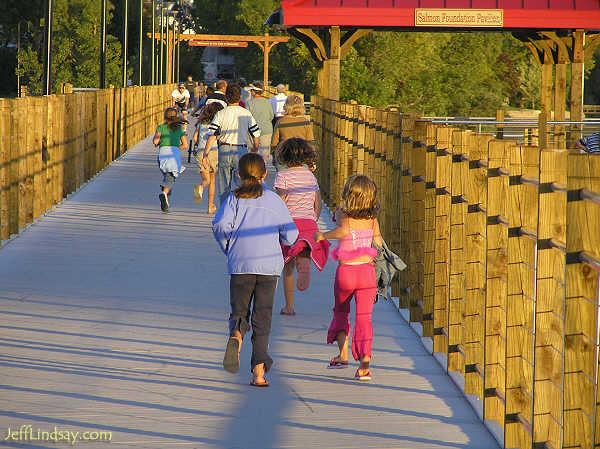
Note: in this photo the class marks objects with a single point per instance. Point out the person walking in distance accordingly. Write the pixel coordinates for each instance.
(190, 85)
(219, 95)
(294, 123)
(171, 140)
(261, 110)
(249, 228)
(231, 126)
(208, 173)
(277, 103)
(299, 189)
(357, 227)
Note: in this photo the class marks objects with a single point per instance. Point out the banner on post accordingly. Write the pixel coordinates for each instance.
(198, 43)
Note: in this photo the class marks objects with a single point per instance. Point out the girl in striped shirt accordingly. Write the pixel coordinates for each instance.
(299, 189)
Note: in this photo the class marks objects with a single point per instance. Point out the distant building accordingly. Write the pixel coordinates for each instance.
(218, 64)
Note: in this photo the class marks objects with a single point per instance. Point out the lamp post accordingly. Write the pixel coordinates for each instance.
(152, 65)
(162, 30)
(178, 45)
(141, 37)
(103, 45)
(173, 49)
(125, 42)
(47, 81)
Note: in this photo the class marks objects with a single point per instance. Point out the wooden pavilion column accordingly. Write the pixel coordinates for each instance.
(553, 53)
(328, 47)
(266, 47)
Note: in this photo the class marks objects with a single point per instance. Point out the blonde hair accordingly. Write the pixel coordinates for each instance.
(294, 106)
(360, 197)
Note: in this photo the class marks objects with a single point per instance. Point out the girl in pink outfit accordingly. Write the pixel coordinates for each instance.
(355, 276)
(299, 189)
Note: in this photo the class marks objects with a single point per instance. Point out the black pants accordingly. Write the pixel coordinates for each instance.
(259, 290)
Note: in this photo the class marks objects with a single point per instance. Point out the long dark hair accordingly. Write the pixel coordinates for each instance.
(252, 170)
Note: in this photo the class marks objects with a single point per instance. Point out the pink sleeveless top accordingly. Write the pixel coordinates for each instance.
(357, 243)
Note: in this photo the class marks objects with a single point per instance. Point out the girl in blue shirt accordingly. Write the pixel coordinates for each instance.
(249, 227)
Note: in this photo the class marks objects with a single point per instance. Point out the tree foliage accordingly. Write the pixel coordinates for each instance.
(76, 48)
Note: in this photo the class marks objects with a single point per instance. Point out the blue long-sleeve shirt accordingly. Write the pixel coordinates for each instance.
(250, 230)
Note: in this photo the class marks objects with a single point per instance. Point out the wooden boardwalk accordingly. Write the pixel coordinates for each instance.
(113, 319)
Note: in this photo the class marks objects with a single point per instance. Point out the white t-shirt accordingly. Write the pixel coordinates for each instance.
(233, 124)
(180, 97)
(277, 103)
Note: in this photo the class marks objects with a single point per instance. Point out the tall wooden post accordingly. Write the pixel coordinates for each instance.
(266, 51)
(332, 64)
(577, 85)
(547, 78)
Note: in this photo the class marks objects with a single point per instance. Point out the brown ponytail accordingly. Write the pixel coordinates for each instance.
(172, 118)
(252, 170)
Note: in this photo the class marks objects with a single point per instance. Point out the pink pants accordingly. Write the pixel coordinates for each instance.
(358, 281)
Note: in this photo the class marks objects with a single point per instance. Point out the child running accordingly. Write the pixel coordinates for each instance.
(357, 227)
(170, 139)
(209, 171)
(300, 190)
(249, 227)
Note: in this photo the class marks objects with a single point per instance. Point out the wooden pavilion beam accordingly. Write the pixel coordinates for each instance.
(349, 38)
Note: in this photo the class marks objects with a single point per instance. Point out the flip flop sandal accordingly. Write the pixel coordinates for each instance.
(284, 311)
(253, 383)
(198, 193)
(337, 364)
(364, 378)
(303, 267)
(231, 361)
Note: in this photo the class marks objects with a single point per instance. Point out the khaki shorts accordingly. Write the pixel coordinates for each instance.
(213, 161)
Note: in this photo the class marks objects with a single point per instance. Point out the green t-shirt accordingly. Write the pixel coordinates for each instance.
(169, 137)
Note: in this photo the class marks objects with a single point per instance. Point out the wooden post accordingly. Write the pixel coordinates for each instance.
(266, 51)
(520, 316)
(500, 128)
(496, 290)
(546, 88)
(457, 269)
(36, 152)
(543, 131)
(417, 222)
(442, 237)
(4, 168)
(429, 231)
(581, 412)
(550, 304)
(333, 64)
(577, 86)
(405, 190)
(475, 254)
(560, 93)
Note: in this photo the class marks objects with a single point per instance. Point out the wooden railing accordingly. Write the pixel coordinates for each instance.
(51, 145)
(503, 249)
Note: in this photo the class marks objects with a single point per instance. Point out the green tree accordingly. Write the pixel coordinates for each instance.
(76, 49)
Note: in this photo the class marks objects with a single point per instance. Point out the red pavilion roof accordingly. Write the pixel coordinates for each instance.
(501, 14)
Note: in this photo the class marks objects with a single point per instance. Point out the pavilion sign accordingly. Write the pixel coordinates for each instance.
(459, 17)
(197, 43)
